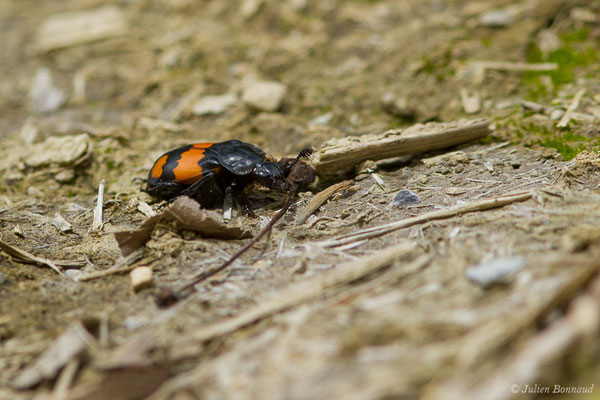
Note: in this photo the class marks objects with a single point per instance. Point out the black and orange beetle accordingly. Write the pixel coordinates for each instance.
(205, 171)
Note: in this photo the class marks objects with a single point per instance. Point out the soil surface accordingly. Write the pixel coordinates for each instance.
(93, 90)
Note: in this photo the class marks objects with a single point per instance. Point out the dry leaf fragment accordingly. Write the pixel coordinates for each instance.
(188, 215)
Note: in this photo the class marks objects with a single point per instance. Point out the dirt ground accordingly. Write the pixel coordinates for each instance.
(102, 99)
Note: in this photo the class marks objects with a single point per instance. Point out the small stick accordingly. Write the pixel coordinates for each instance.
(517, 66)
(304, 291)
(380, 230)
(566, 118)
(65, 379)
(125, 264)
(167, 297)
(25, 257)
(318, 200)
(97, 224)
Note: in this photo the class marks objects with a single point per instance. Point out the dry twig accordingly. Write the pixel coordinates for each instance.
(528, 365)
(516, 66)
(302, 292)
(380, 230)
(25, 257)
(97, 224)
(125, 264)
(573, 106)
(318, 200)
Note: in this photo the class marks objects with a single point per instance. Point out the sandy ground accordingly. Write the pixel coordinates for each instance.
(93, 90)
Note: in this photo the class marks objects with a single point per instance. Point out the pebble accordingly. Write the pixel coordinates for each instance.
(214, 104)
(404, 197)
(29, 132)
(556, 114)
(65, 176)
(45, 97)
(62, 150)
(497, 19)
(74, 274)
(72, 28)
(141, 277)
(498, 271)
(34, 192)
(264, 95)
(398, 106)
(324, 119)
(62, 224)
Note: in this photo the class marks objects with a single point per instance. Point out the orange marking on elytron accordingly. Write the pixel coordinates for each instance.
(202, 145)
(158, 166)
(188, 171)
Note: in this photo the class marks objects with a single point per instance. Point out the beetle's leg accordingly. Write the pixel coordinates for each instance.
(237, 192)
(195, 187)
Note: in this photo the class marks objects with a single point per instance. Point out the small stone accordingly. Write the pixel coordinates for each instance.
(497, 19)
(29, 132)
(72, 28)
(141, 277)
(133, 323)
(404, 197)
(398, 106)
(214, 104)
(471, 102)
(324, 119)
(62, 224)
(498, 271)
(532, 106)
(455, 191)
(34, 192)
(548, 41)
(65, 176)
(62, 150)
(45, 97)
(146, 209)
(73, 274)
(556, 114)
(264, 95)
(584, 15)
(3, 280)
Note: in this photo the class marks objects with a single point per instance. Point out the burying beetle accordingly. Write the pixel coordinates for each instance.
(206, 171)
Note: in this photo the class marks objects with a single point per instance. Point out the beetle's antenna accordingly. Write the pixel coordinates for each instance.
(304, 153)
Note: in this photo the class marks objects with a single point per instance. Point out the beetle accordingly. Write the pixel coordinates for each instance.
(205, 171)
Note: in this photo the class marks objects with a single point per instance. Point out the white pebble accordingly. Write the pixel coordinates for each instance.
(264, 95)
(141, 277)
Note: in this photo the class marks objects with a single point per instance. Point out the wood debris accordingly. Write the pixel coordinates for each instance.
(573, 106)
(319, 199)
(376, 231)
(338, 157)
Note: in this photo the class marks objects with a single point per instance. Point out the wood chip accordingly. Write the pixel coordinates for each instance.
(338, 157)
(319, 199)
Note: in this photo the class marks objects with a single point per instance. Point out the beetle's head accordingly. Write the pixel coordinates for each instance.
(270, 174)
